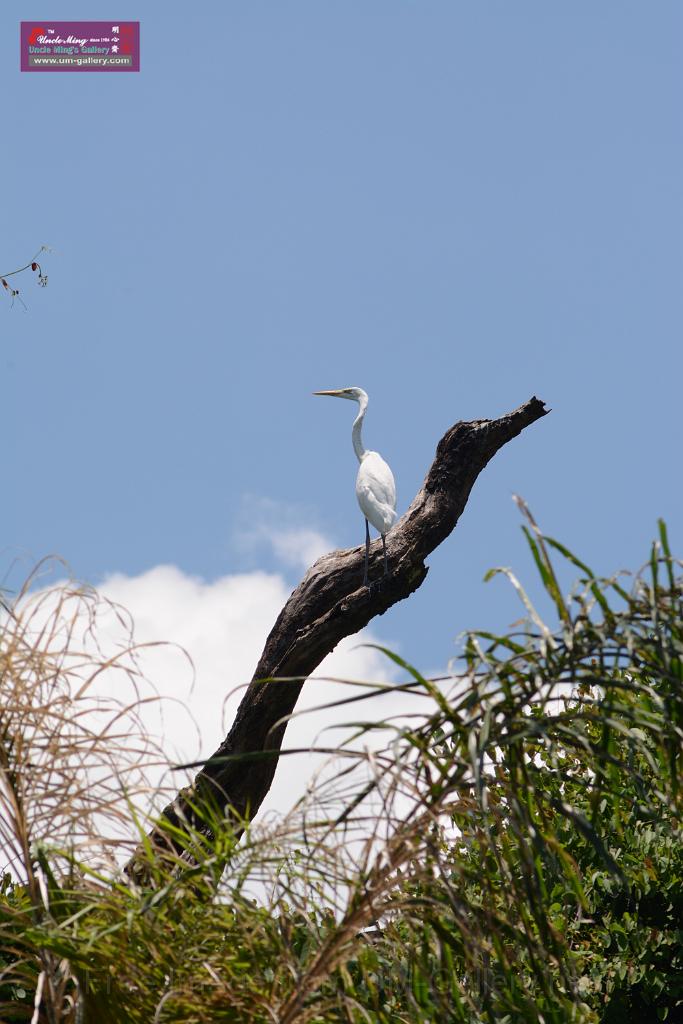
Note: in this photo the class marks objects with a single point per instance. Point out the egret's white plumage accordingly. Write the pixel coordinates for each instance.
(375, 487)
(376, 492)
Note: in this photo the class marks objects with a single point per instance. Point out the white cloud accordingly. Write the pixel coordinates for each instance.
(223, 625)
(277, 525)
(298, 548)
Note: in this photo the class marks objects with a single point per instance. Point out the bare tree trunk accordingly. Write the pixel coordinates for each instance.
(329, 604)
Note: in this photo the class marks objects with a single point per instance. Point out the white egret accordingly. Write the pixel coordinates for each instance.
(375, 487)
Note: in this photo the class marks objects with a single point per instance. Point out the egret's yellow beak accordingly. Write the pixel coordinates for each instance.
(336, 394)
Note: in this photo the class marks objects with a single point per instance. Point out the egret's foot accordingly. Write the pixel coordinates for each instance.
(374, 586)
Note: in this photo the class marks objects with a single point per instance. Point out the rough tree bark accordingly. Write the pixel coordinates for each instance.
(329, 604)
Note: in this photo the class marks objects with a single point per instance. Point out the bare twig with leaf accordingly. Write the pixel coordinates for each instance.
(32, 265)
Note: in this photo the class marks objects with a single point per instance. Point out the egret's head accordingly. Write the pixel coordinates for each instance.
(354, 394)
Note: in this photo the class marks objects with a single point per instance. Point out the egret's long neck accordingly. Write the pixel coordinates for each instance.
(357, 427)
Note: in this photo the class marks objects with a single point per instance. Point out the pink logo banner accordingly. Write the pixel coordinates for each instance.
(80, 45)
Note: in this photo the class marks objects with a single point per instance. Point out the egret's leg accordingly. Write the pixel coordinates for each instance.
(384, 549)
(367, 552)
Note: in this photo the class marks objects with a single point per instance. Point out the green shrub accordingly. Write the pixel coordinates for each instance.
(513, 856)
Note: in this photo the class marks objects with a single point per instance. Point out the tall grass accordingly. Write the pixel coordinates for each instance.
(511, 855)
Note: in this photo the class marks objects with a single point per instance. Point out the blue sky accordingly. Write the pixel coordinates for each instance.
(452, 205)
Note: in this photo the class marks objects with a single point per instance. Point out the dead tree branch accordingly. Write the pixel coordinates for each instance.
(329, 604)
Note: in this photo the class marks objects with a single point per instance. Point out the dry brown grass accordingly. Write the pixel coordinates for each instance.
(74, 758)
